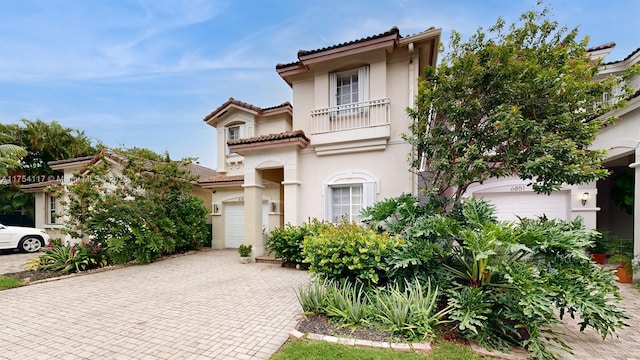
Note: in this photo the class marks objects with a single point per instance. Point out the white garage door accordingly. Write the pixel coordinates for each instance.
(529, 205)
(234, 223)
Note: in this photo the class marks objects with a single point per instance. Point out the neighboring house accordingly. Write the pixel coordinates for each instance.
(341, 149)
(592, 201)
(50, 214)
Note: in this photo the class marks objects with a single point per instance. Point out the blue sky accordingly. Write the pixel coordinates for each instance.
(145, 72)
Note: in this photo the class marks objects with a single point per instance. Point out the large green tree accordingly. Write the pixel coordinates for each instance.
(138, 205)
(44, 142)
(514, 100)
(41, 142)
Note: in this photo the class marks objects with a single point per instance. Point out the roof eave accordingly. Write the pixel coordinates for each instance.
(359, 47)
(243, 149)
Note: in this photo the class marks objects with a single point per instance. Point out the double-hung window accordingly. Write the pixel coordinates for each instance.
(349, 87)
(52, 208)
(346, 202)
(233, 133)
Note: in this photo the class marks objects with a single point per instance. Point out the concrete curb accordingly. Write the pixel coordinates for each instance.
(516, 354)
(419, 347)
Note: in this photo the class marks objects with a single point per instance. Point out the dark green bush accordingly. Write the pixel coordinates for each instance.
(286, 242)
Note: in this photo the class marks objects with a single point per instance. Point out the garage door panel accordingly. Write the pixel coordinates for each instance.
(234, 225)
(510, 206)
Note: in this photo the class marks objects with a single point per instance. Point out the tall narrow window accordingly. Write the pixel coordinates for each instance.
(233, 133)
(346, 202)
(51, 209)
(349, 87)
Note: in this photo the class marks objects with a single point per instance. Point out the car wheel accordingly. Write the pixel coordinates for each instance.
(30, 244)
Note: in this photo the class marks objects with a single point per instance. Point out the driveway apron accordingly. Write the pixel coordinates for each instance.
(200, 306)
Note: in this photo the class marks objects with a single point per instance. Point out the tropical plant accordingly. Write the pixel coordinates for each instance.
(347, 302)
(68, 258)
(510, 281)
(313, 296)
(519, 99)
(10, 156)
(411, 312)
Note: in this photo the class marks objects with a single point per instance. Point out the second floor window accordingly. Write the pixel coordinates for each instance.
(349, 87)
(233, 133)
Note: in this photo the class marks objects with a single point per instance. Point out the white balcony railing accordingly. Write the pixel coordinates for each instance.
(351, 116)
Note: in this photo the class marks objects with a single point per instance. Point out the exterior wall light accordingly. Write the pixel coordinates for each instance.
(584, 198)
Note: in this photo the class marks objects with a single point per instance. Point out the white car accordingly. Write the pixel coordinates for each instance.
(25, 239)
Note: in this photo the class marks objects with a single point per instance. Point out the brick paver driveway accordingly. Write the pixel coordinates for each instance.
(201, 306)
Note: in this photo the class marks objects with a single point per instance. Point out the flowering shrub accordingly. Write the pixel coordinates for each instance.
(68, 258)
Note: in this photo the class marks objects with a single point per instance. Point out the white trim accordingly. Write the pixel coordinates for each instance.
(370, 188)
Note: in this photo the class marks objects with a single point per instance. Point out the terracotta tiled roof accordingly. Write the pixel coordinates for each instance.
(222, 179)
(270, 137)
(66, 161)
(202, 172)
(625, 59)
(245, 105)
(602, 46)
(393, 31)
(39, 186)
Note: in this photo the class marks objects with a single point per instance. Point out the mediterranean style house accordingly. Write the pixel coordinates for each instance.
(49, 212)
(340, 151)
(593, 201)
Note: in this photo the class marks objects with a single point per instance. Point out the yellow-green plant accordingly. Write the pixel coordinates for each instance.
(349, 251)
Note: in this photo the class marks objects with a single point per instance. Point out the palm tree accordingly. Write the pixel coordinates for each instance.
(10, 155)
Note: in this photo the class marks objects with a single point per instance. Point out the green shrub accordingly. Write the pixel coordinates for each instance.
(189, 217)
(286, 242)
(349, 251)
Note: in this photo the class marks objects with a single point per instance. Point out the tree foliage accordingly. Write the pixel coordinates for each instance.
(519, 100)
(40, 142)
(137, 205)
(44, 142)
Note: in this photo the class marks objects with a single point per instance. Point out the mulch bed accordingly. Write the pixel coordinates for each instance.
(320, 324)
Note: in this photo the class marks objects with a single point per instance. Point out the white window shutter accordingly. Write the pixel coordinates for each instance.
(333, 89)
(327, 202)
(369, 190)
(363, 83)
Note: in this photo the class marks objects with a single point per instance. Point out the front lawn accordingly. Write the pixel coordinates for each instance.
(8, 282)
(320, 350)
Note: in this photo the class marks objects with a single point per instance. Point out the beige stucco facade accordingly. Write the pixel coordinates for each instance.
(320, 157)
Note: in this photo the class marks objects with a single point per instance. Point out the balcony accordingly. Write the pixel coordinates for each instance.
(357, 127)
(351, 116)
